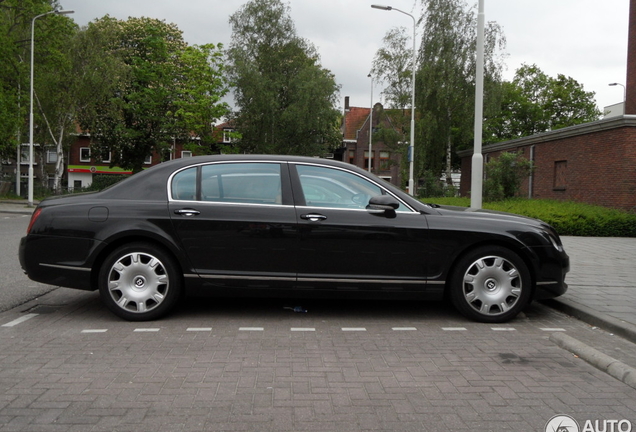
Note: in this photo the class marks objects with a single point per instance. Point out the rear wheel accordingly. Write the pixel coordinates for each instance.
(490, 284)
(139, 282)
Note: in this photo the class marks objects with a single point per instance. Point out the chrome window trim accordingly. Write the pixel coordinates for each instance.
(200, 164)
(66, 267)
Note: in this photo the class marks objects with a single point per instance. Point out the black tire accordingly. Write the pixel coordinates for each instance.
(140, 282)
(490, 285)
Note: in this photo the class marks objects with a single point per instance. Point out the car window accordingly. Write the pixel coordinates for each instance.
(184, 185)
(254, 183)
(329, 187)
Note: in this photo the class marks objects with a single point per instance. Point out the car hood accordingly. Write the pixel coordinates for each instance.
(493, 216)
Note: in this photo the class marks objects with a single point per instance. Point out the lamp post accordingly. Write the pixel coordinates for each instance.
(477, 167)
(624, 91)
(57, 12)
(371, 124)
(412, 143)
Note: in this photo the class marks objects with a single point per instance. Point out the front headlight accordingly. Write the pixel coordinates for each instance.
(557, 245)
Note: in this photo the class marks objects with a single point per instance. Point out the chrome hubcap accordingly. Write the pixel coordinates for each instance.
(138, 282)
(492, 285)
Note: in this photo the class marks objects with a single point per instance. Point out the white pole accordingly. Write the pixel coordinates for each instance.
(371, 126)
(477, 172)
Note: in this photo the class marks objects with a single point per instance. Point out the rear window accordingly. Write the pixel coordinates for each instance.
(252, 183)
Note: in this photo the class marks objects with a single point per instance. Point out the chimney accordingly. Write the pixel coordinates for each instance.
(630, 83)
(347, 97)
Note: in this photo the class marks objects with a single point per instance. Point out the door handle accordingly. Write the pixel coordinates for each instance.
(187, 212)
(313, 217)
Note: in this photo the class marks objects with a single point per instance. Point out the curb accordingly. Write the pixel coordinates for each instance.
(602, 362)
(584, 313)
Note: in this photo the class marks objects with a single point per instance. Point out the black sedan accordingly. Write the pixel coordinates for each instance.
(285, 226)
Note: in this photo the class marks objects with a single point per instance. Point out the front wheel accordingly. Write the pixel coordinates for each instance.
(490, 285)
(139, 282)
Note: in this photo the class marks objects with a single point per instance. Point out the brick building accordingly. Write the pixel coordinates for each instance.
(385, 159)
(593, 163)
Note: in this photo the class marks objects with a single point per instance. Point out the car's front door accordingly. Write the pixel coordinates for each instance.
(237, 223)
(344, 246)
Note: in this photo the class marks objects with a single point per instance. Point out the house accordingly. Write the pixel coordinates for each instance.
(384, 158)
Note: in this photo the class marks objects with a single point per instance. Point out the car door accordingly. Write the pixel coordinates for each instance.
(345, 246)
(236, 222)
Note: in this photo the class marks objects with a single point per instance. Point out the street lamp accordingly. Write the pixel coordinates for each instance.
(57, 12)
(624, 90)
(477, 162)
(412, 143)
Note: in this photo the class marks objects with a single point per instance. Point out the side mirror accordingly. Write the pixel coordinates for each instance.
(383, 205)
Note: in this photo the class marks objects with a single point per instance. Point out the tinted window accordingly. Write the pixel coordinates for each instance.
(184, 185)
(328, 187)
(256, 183)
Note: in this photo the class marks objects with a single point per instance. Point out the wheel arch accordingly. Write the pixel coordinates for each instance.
(519, 249)
(136, 237)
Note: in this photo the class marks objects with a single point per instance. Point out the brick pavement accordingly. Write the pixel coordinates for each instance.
(407, 367)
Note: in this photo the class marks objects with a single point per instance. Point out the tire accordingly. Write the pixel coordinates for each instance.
(139, 282)
(490, 285)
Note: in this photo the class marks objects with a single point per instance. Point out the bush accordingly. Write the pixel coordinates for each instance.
(504, 176)
(567, 217)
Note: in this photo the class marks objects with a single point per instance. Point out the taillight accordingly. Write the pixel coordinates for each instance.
(34, 217)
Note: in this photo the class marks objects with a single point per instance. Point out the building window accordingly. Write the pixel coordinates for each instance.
(366, 159)
(560, 175)
(106, 157)
(385, 160)
(227, 135)
(85, 154)
(148, 160)
(186, 153)
(51, 156)
(352, 157)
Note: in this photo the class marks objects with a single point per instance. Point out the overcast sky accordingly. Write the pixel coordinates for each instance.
(582, 39)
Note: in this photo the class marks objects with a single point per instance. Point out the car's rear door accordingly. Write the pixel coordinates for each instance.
(236, 222)
(344, 246)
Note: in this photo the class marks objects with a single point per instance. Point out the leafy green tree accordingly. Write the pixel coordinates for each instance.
(535, 102)
(285, 98)
(504, 176)
(51, 34)
(392, 65)
(164, 89)
(445, 81)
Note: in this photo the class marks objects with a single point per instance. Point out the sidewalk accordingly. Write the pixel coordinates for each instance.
(602, 279)
(16, 206)
(602, 283)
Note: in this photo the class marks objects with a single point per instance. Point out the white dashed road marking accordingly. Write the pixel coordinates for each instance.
(20, 320)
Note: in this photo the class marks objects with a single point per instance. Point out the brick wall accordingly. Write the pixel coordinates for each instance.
(593, 163)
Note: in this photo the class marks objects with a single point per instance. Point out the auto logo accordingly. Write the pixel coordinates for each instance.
(562, 423)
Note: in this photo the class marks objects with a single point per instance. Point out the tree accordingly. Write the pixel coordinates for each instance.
(51, 33)
(164, 89)
(285, 98)
(392, 64)
(535, 102)
(446, 79)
